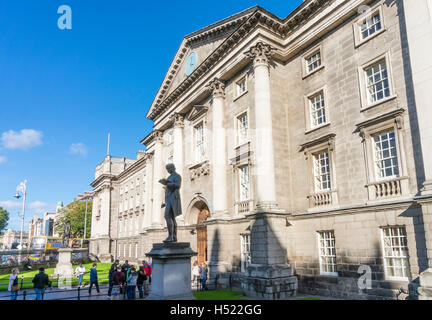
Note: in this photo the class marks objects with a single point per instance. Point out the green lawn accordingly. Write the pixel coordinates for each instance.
(102, 269)
(223, 294)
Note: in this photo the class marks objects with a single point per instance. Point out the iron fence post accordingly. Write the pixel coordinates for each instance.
(79, 293)
(24, 294)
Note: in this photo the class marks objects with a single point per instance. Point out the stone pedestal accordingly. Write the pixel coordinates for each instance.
(425, 289)
(64, 266)
(171, 271)
(270, 282)
(269, 276)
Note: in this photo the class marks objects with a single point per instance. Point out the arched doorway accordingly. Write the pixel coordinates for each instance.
(202, 235)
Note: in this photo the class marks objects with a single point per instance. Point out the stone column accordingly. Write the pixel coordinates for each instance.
(149, 191)
(269, 276)
(178, 155)
(265, 174)
(219, 154)
(158, 173)
(418, 16)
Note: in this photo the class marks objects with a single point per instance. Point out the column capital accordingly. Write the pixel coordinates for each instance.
(158, 136)
(178, 120)
(260, 54)
(217, 87)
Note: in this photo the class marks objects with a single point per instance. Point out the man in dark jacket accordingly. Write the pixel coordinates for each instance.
(113, 270)
(94, 279)
(141, 279)
(39, 282)
(125, 267)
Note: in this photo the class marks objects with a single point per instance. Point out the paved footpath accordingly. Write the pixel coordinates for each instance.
(65, 294)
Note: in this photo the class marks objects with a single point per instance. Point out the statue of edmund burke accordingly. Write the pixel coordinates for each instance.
(172, 201)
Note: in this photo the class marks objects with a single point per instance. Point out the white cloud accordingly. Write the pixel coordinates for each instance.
(3, 159)
(24, 139)
(32, 207)
(78, 148)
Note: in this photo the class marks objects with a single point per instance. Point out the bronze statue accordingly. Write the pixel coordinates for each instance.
(172, 201)
(66, 234)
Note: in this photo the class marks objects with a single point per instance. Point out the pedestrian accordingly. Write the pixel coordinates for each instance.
(131, 283)
(13, 284)
(79, 272)
(39, 282)
(118, 282)
(94, 279)
(142, 278)
(203, 276)
(111, 273)
(195, 273)
(148, 272)
(125, 267)
(150, 263)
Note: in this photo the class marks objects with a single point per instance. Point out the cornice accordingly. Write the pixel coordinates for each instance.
(329, 138)
(260, 17)
(155, 135)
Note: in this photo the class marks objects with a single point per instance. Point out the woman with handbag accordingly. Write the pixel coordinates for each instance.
(13, 284)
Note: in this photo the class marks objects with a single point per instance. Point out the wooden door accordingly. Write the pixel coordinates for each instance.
(202, 236)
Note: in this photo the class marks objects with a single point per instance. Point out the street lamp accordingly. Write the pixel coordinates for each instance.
(21, 191)
(86, 196)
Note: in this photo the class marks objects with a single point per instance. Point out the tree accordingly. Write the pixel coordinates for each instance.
(75, 213)
(4, 218)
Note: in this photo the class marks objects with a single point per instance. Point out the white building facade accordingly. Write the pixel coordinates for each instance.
(304, 147)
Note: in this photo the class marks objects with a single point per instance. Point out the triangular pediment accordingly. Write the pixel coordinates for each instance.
(196, 112)
(202, 43)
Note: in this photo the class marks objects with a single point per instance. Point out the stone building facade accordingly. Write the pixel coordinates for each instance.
(305, 150)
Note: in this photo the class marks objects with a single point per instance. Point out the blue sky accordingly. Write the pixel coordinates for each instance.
(62, 91)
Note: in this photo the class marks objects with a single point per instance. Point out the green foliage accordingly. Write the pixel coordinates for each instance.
(4, 218)
(102, 268)
(75, 213)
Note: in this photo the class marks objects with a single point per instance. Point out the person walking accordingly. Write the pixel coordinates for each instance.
(118, 282)
(39, 282)
(203, 276)
(195, 273)
(79, 272)
(148, 273)
(94, 279)
(111, 273)
(142, 278)
(131, 283)
(13, 287)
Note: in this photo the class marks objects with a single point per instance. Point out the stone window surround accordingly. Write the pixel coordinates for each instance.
(236, 127)
(308, 127)
(244, 75)
(358, 41)
(237, 162)
(309, 53)
(368, 129)
(365, 105)
(392, 278)
(193, 124)
(324, 273)
(310, 148)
